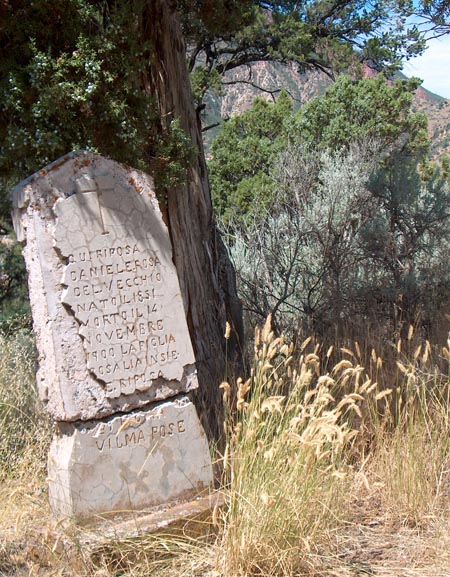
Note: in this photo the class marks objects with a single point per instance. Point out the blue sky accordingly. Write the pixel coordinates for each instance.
(433, 66)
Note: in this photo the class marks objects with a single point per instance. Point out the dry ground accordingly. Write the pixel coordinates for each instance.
(32, 544)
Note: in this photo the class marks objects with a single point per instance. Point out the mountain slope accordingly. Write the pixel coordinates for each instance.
(265, 79)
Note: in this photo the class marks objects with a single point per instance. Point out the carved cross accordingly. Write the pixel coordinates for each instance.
(101, 183)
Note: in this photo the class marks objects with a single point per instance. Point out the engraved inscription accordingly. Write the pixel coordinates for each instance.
(129, 432)
(121, 285)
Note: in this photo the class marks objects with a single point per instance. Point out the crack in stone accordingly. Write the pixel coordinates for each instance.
(122, 288)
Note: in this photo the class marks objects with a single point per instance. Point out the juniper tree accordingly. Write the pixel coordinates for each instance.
(111, 76)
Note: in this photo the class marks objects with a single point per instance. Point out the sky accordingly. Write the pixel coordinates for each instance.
(433, 66)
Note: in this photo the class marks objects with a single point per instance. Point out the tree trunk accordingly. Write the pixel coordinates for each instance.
(206, 275)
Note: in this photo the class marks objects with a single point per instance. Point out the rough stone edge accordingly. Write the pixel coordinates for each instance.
(168, 518)
(20, 201)
(19, 194)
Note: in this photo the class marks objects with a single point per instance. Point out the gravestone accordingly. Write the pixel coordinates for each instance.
(115, 356)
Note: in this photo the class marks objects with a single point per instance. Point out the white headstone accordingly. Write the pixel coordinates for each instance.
(107, 309)
(112, 338)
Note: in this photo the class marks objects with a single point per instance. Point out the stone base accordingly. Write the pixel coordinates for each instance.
(129, 462)
(191, 518)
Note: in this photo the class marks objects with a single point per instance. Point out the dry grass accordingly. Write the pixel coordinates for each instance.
(309, 439)
(24, 439)
(25, 429)
(285, 465)
(410, 443)
(327, 473)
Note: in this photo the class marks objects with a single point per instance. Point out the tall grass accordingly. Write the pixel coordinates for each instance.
(410, 450)
(286, 466)
(24, 440)
(24, 426)
(301, 434)
(315, 435)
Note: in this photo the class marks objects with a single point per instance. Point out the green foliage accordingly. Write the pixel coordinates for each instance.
(202, 80)
(296, 262)
(244, 152)
(215, 18)
(329, 36)
(72, 86)
(75, 75)
(242, 156)
(174, 152)
(14, 307)
(407, 240)
(351, 220)
(352, 110)
(349, 241)
(434, 13)
(316, 34)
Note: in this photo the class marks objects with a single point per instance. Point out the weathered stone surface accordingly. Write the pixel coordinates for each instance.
(193, 517)
(128, 462)
(106, 303)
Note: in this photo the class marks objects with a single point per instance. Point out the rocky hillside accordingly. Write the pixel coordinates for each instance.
(241, 88)
(437, 110)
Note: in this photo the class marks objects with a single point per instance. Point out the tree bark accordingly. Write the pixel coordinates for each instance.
(205, 272)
